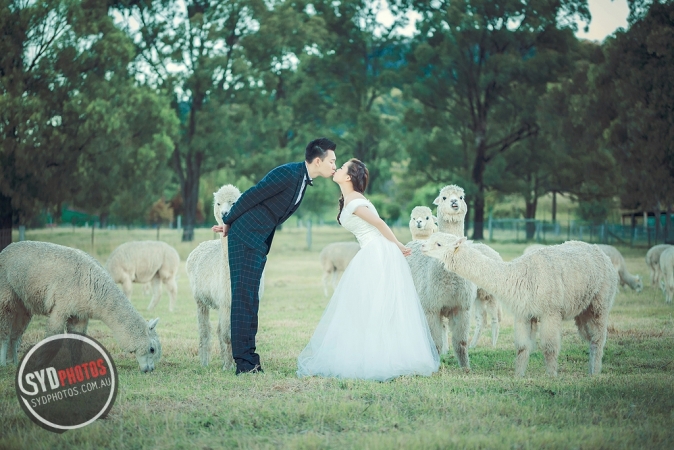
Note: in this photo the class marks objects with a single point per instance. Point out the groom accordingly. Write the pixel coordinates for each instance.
(250, 225)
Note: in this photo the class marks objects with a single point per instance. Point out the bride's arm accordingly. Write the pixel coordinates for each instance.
(368, 216)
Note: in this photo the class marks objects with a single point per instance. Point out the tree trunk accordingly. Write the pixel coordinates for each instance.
(103, 220)
(668, 225)
(530, 213)
(554, 206)
(5, 221)
(190, 190)
(478, 179)
(657, 214)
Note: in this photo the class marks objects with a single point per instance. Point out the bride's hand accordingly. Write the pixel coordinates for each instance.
(406, 250)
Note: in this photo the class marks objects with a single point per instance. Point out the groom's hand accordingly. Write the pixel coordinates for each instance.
(224, 229)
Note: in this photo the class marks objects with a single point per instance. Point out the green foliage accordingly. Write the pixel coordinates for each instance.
(595, 211)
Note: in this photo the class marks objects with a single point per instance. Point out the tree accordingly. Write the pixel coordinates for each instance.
(637, 75)
(473, 70)
(63, 81)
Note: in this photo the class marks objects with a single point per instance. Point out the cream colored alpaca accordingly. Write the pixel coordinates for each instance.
(624, 276)
(143, 262)
(422, 223)
(334, 259)
(667, 271)
(70, 288)
(543, 288)
(445, 297)
(653, 263)
(208, 271)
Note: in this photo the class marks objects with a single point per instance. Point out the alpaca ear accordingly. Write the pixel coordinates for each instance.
(435, 219)
(459, 242)
(436, 201)
(152, 323)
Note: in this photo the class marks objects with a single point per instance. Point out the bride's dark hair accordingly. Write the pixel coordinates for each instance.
(359, 178)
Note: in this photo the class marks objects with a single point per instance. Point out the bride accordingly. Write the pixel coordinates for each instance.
(374, 327)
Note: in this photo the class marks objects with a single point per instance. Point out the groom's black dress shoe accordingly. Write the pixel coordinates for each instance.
(256, 369)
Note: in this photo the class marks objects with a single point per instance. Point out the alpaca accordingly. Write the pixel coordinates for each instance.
(653, 263)
(572, 280)
(667, 273)
(208, 271)
(422, 223)
(334, 259)
(624, 276)
(445, 297)
(146, 261)
(70, 288)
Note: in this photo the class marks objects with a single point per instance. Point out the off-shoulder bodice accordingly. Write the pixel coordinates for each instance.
(363, 231)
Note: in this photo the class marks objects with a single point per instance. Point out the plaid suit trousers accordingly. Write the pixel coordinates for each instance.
(245, 266)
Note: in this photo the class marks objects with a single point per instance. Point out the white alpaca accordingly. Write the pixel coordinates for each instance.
(422, 223)
(70, 288)
(486, 303)
(572, 280)
(532, 248)
(334, 259)
(144, 262)
(624, 276)
(445, 296)
(208, 271)
(653, 263)
(667, 273)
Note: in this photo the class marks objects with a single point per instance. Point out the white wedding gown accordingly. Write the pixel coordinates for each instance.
(374, 327)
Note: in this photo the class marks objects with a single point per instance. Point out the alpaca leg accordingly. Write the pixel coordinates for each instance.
(204, 326)
(480, 319)
(156, 292)
(550, 333)
(21, 321)
(77, 325)
(523, 335)
(459, 325)
(438, 331)
(225, 336)
(326, 275)
(127, 286)
(172, 288)
(495, 319)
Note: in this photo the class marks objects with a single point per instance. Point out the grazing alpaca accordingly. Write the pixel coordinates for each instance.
(572, 280)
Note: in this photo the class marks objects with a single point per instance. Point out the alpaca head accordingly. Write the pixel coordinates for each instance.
(451, 204)
(444, 246)
(639, 285)
(149, 352)
(421, 218)
(223, 201)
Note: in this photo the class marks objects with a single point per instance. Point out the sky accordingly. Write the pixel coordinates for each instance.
(607, 16)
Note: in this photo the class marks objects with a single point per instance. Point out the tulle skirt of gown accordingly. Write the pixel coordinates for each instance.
(374, 327)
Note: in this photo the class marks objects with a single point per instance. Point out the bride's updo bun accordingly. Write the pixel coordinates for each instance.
(359, 178)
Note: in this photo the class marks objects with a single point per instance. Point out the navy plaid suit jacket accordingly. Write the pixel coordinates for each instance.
(256, 214)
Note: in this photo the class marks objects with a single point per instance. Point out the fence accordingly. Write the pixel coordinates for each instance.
(515, 230)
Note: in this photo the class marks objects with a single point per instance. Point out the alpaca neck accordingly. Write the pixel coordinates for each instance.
(125, 325)
(223, 241)
(488, 274)
(630, 279)
(455, 228)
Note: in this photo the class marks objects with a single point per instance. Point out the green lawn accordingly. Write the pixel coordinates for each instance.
(184, 405)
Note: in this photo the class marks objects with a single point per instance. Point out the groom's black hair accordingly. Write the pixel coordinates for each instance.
(318, 148)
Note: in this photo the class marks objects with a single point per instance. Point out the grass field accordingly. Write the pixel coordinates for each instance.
(184, 405)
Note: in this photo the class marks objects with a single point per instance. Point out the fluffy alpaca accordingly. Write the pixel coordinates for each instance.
(486, 303)
(445, 296)
(422, 223)
(572, 280)
(334, 259)
(653, 263)
(146, 261)
(208, 271)
(667, 273)
(532, 248)
(624, 276)
(70, 288)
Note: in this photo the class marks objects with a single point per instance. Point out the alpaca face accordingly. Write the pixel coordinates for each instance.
(420, 217)
(451, 204)
(149, 355)
(442, 246)
(223, 201)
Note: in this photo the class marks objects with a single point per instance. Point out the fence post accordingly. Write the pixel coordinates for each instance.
(491, 235)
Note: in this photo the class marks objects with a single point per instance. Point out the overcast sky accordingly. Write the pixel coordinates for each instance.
(607, 16)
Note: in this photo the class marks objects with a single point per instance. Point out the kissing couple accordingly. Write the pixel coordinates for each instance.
(374, 327)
